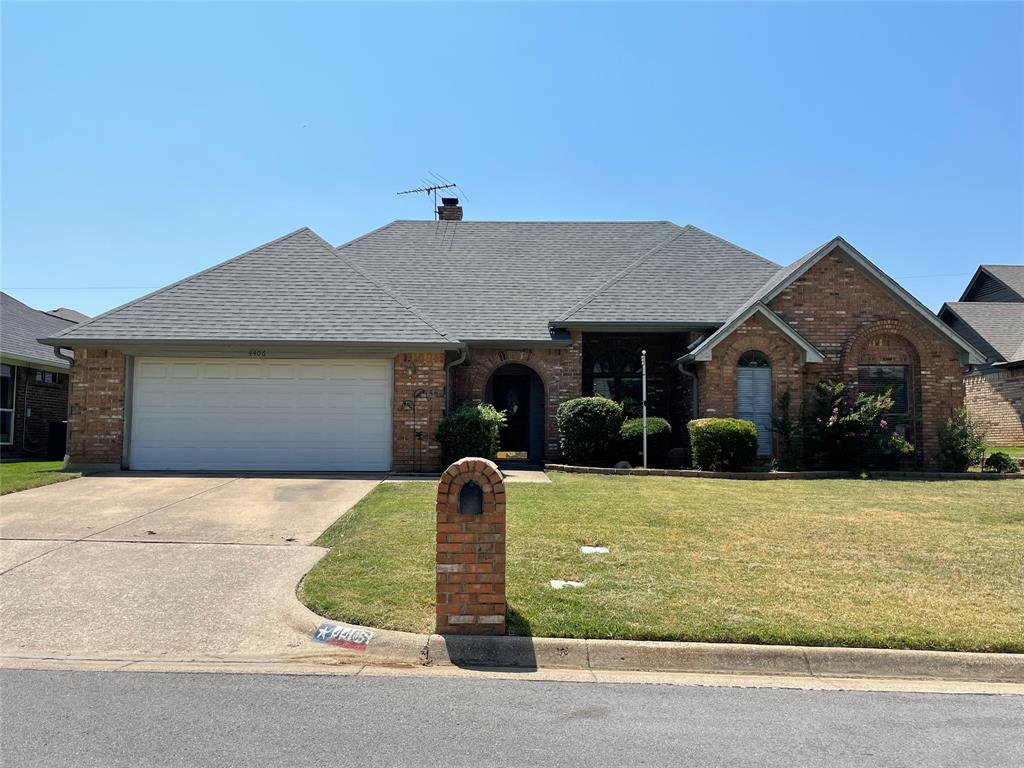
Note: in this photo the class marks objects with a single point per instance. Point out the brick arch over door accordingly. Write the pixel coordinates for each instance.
(558, 370)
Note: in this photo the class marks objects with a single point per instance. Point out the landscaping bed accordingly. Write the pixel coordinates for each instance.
(20, 475)
(892, 564)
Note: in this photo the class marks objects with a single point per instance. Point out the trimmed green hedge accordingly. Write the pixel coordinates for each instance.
(471, 430)
(659, 440)
(1001, 462)
(722, 445)
(588, 429)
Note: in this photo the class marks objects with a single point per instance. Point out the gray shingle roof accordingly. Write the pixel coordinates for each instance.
(1000, 324)
(506, 281)
(297, 288)
(695, 277)
(21, 327)
(1010, 274)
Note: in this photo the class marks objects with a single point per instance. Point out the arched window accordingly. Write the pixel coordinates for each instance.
(754, 396)
(617, 375)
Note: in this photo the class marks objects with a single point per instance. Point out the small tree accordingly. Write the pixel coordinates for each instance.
(588, 429)
(961, 442)
(844, 432)
(471, 430)
(788, 431)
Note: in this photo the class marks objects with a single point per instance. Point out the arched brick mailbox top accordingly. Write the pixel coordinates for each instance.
(470, 587)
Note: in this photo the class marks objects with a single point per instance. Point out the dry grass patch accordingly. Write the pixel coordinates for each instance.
(896, 564)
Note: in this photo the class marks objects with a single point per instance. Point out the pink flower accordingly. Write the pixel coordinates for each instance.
(819, 419)
(883, 423)
(835, 410)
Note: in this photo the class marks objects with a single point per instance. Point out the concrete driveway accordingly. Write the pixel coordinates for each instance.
(163, 565)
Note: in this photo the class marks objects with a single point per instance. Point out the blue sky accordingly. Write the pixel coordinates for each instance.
(144, 142)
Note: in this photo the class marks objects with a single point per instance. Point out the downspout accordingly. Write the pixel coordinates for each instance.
(449, 394)
(59, 352)
(681, 367)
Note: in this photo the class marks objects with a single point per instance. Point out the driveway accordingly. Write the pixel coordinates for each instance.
(164, 565)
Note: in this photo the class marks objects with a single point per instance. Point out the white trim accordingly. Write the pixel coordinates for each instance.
(14, 400)
(808, 353)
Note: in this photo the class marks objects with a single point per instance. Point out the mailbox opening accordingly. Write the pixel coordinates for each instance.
(471, 499)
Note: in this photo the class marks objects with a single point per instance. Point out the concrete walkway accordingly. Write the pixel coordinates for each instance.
(163, 565)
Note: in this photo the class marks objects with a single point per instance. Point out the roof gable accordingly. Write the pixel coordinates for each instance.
(297, 288)
(778, 282)
(999, 324)
(996, 283)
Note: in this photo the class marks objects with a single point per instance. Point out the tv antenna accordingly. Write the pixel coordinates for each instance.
(432, 188)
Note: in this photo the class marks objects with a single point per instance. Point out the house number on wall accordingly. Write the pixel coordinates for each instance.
(257, 353)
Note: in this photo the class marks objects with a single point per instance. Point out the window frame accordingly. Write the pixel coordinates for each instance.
(10, 372)
(908, 401)
(618, 359)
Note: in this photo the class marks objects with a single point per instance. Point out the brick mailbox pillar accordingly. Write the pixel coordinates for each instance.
(471, 549)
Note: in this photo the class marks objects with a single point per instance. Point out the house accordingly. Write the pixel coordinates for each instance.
(34, 392)
(990, 315)
(299, 355)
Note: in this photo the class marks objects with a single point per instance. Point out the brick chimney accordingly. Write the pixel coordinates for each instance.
(449, 209)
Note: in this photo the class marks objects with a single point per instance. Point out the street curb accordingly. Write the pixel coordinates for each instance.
(528, 653)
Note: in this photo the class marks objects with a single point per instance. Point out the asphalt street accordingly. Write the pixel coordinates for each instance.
(172, 719)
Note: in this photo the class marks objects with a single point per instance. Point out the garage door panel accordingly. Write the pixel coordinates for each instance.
(270, 415)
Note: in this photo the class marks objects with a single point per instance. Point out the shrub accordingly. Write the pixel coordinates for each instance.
(1001, 462)
(961, 442)
(588, 429)
(722, 444)
(659, 440)
(789, 434)
(841, 432)
(471, 430)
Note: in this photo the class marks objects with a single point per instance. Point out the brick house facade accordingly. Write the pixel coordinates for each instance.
(542, 312)
(996, 399)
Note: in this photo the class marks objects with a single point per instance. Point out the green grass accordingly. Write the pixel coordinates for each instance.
(829, 562)
(19, 475)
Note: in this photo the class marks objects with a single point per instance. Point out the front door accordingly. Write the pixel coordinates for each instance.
(512, 395)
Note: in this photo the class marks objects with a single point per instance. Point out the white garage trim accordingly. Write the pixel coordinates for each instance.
(200, 413)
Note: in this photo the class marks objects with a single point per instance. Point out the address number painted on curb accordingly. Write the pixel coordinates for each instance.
(352, 638)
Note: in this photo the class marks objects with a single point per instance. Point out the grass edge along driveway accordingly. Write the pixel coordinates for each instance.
(22, 475)
(890, 564)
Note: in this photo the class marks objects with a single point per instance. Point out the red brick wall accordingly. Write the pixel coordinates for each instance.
(414, 437)
(97, 407)
(852, 321)
(470, 570)
(996, 399)
(47, 402)
(559, 369)
(717, 378)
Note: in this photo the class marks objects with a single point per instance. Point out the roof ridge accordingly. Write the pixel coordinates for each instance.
(622, 273)
(732, 244)
(79, 326)
(401, 301)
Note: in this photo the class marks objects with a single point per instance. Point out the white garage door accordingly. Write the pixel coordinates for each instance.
(326, 415)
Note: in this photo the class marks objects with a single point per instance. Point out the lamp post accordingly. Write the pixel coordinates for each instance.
(643, 398)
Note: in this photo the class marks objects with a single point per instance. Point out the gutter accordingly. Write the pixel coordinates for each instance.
(680, 365)
(449, 394)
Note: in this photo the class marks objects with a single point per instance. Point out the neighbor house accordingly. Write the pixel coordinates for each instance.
(33, 380)
(990, 315)
(300, 355)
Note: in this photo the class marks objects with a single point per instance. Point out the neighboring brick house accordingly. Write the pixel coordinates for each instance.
(33, 381)
(302, 355)
(990, 315)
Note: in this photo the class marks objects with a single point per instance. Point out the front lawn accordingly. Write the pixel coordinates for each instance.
(19, 475)
(824, 562)
(1014, 451)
